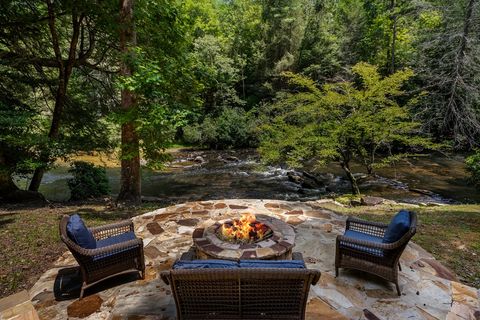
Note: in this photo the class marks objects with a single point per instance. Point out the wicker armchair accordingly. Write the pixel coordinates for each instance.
(105, 262)
(241, 293)
(381, 259)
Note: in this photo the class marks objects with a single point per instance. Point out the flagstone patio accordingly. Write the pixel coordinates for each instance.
(429, 290)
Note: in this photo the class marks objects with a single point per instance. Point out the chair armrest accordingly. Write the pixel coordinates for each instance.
(369, 227)
(316, 277)
(165, 275)
(131, 244)
(111, 230)
(297, 256)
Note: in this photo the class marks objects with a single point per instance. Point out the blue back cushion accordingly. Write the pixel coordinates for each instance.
(289, 264)
(398, 227)
(78, 232)
(205, 264)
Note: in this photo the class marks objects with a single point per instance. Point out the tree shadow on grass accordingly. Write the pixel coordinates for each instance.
(68, 283)
(4, 222)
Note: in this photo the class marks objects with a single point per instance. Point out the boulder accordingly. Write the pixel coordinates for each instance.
(199, 159)
(228, 159)
(355, 203)
(371, 201)
(294, 177)
(304, 179)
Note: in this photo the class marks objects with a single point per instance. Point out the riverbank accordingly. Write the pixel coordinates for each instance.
(30, 242)
(195, 175)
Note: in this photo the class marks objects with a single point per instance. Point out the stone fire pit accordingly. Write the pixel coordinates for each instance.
(277, 247)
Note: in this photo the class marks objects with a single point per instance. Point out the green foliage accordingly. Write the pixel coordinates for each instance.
(473, 167)
(89, 181)
(233, 128)
(217, 72)
(342, 121)
(19, 141)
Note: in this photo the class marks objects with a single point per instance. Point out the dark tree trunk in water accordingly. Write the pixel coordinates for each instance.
(351, 178)
(130, 190)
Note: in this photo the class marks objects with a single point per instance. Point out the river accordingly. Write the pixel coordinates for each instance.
(203, 175)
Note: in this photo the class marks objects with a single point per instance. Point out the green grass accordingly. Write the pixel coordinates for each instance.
(450, 233)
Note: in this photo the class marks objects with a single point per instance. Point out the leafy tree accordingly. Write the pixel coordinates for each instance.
(232, 128)
(217, 72)
(43, 44)
(342, 122)
(18, 139)
(88, 181)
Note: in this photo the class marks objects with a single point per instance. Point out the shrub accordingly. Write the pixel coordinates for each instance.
(233, 128)
(88, 181)
(473, 167)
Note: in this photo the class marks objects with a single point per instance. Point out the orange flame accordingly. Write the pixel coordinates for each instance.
(245, 229)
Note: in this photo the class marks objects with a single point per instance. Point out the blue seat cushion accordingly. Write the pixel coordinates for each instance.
(288, 264)
(205, 264)
(363, 237)
(398, 227)
(114, 240)
(79, 233)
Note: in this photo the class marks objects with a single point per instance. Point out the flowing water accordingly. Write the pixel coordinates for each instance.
(203, 175)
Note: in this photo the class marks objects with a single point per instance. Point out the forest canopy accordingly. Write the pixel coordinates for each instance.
(141, 75)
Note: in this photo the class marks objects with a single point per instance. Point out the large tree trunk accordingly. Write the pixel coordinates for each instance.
(130, 190)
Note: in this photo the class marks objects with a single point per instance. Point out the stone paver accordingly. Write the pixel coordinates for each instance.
(430, 291)
(17, 307)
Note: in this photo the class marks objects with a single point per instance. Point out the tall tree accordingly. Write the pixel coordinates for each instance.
(130, 189)
(284, 29)
(42, 44)
(319, 55)
(450, 66)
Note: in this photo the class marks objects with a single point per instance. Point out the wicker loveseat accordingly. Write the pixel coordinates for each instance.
(363, 247)
(117, 251)
(241, 293)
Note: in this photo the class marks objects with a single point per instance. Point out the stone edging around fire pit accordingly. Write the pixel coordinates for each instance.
(278, 247)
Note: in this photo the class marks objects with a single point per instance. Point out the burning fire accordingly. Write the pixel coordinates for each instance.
(245, 229)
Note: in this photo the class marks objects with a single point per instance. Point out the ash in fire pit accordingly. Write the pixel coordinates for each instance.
(244, 230)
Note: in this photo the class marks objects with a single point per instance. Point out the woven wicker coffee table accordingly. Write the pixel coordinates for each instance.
(277, 247)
